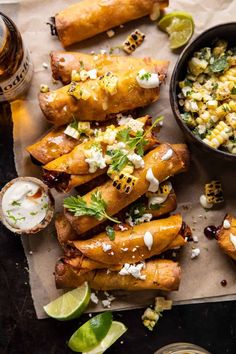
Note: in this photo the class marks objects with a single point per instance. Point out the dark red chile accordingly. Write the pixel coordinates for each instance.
(210, 231)
(53, 179)
(223, 282)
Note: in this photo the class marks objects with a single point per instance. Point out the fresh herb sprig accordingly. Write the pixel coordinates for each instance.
(119, 158)
(110, 232)
(97, 207)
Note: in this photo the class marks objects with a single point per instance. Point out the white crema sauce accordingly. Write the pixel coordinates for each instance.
(24, 205)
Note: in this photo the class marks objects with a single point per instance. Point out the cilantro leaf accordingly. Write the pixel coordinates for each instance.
(110, 233)
(97, 208)
(123, 135)
(119, 160)
(233, 91)
(219, 65)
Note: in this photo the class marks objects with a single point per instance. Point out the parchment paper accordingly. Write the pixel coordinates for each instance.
(200, 277)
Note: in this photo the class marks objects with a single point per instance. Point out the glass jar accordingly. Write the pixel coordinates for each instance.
(182, 348)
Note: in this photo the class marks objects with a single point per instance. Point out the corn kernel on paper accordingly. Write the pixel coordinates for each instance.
(201, 277)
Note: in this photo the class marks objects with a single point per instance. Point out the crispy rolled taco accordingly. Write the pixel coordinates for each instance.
(90, 17)
(155, 162)
(159, 274)
(52, 145)
(66, 233)
(226, 236)
(76, 161)
(99, 99)
(57, 142)
(134, 245)
(63, 63)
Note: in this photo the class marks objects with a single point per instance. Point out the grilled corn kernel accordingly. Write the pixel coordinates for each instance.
(219, 135)
(214, 192)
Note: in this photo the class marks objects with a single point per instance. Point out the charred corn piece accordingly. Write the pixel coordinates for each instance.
(124, 182)
(76, 91)
(109, 83)
(165, 188)
(214, 192)
(133, 41)
(162, 304)
(151, 316)
(219, 135)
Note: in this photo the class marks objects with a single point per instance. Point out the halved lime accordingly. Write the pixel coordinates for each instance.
(179, 25)
(91, 333)
(116, 330)
(70, 305)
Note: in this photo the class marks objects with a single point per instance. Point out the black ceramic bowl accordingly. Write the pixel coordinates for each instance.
(225, 31)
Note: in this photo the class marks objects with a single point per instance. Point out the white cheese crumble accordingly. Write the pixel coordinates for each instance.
(233, 240)
(110, 33)
(134, 124)
(148, 240)
(106, 247)
(134, 270)
(92, 74)
(45, 65)
(95, 159)
(204, 203)
(167, 155)
(70, 131)
(106, 303)
(122, 228)
(154, 183)
(147, 80)
(195, 253)
(226, 224)
(94, 298)
(144, 218)
(195, 239)
(109, 136)
(136, 160)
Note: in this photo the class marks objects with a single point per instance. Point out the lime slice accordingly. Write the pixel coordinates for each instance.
(116, 330)
(70, 305)
(179, 25)
(91, 333)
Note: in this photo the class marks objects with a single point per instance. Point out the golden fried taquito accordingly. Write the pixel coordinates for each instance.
(101, 98)
(226, 236)
(63, 63)
(159, 274)
(90, 17)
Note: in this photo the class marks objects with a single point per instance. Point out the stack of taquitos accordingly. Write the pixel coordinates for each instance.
(73, 165)
(102, 262)
(90, 17)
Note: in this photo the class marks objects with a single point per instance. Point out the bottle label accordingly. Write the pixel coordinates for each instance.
(19, 82)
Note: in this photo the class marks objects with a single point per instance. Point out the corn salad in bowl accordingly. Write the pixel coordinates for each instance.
(202, 94)
(207, 97)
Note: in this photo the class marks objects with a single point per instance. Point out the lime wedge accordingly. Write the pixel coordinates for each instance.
(116, 330)
(70, 305)
(91, 333)
(179, 25)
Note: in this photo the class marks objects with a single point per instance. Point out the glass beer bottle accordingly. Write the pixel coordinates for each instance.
(16, 68)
